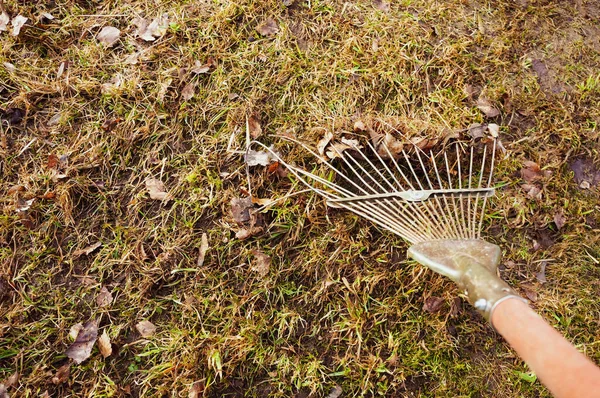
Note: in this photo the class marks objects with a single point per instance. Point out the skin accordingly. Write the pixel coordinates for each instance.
(560, 367)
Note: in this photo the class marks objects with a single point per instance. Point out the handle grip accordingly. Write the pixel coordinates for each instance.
(560, 367)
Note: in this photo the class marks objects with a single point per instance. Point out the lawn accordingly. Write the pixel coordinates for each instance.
(122, 184)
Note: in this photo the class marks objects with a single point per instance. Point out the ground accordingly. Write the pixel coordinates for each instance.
(116, 159)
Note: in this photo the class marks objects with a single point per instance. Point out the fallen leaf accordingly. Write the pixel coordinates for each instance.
(17, 23)
(48, 16)
(62, 374)
(104, 345)
(268, 28)
(108, 36)
(23, 205)
(532, 191)
(203, 249)
(433, 304)
(531, 172)
(110, 124)
(381, 5)
(10, 68)
(202, 68)
(559, 219)
(455, 306)
(188, 91)
(423, 143)
(197, 389)
(12, 380)
(261, 263)
(52, 161)
(4, 20)
(530, 293)
(3, 391)
(541, 276)
(156, 189)
(74, 331)
(81, 349)
(151, 31)
(486, 107)
(323, 142)
(240, 209)
(254, 127)
(393, 145)
(132, 59)
(359, 126)
(104, 298)
(477, 130)
(244, 234)
(87, 250)
(45, 394)
(146, 329)
(494, 130)
(15, 189)
(260, 158)
(337, 149)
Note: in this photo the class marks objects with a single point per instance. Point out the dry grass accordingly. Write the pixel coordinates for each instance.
(340, 304)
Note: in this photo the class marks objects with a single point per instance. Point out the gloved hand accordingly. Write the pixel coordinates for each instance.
(472, 264)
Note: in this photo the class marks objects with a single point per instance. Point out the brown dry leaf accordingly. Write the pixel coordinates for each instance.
(476, 130)
(381, 5)
(394, 146)
(156, 189)
(532, 191)
(4, 20)
(108, 36)
(104, 298)
(433, 304)
(203, 249)
(197, 389)
(261, 263)
(423, 143)
(12, 380)
(3, 391)
(200, 68)
(254, 127)
(153, 30)
(23, 205)
(62, 374)
(17, 23)
(486, 107)
(336, 149)
(244, 234)
(52, 161)
(530, 292)
(359, 126)
(240, 209)
(45, 394)
(188, 91)
(541, 276)
(268, 28)
(259, 158)
(81, 349)
(104, 345)
(146, 329)
(323, 142)
(87, 250)
(559, 219)
(531, 172)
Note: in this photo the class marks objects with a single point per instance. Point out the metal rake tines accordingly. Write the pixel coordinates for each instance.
(421, 197)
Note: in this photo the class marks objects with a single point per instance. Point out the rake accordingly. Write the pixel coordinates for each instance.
(436, 201)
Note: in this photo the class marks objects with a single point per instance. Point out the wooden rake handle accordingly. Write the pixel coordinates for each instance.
(560, 367)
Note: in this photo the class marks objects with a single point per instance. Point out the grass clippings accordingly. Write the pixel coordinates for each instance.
(84, 126)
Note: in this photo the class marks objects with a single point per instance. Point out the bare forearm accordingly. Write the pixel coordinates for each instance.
(560, 367)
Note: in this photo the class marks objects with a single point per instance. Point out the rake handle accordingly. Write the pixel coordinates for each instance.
(560, 367)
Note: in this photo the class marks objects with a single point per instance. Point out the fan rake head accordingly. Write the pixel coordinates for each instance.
(419, 195)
